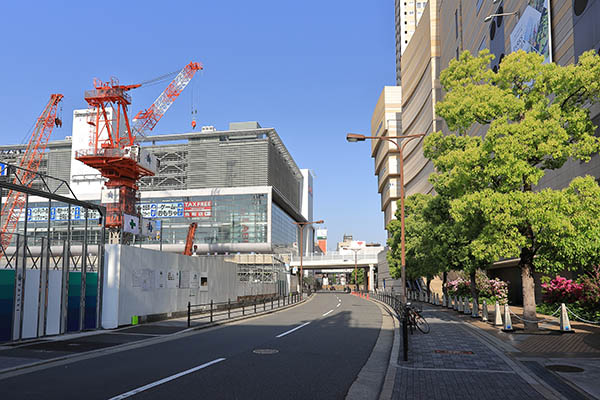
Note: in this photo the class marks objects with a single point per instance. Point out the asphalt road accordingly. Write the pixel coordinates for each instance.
(312, 351)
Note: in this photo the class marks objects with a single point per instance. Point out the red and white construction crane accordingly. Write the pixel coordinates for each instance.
(113, 144)
(30, 162)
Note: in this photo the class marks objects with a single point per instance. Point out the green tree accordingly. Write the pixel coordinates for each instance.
(538, 117)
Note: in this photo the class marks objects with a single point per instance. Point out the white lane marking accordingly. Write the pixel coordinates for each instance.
(292, 330)
(327, 313)
(339, 304)
(167, 379)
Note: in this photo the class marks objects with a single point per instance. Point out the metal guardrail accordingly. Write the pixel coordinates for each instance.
(212, 311)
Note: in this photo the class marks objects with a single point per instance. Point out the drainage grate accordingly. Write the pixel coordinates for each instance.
(453, 352)
(265, 351)
(563, 368)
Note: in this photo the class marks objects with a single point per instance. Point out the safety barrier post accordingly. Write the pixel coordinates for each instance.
(255, 305)
(565, 325)
(228, 308)
(507, 320)
(264, 304)
(189, 314)
(475, 309)
(497, 315)
(211, 310)
(484, 312)
(271, 303)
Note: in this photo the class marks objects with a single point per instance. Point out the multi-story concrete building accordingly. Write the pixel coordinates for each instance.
(560, 30)
(408, 13)
(241, 186)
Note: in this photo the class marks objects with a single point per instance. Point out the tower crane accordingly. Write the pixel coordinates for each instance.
(30, 163)
(114, 149)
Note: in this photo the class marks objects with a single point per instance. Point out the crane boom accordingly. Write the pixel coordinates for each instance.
(15, 201)
(146, 120)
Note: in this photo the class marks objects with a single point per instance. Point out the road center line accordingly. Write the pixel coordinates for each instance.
(167, 379)
(292, 330)
(327, 313)
(339, 304)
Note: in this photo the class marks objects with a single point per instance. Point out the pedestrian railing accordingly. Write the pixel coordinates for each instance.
(220, 311)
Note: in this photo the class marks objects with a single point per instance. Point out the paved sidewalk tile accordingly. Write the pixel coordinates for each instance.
(452, 363)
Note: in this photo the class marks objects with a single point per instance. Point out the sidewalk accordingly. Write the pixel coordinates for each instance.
(453, 362)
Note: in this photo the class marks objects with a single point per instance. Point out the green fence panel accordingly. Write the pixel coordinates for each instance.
(7, 303)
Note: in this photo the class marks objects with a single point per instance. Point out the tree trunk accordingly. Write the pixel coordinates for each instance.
(474, 292)
(428, 285)
(444, 281)
(526, 265)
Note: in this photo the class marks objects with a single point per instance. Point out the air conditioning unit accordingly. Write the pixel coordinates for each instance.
(208, 128)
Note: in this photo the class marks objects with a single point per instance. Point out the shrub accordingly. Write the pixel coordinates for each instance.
(491, 290)
(561, 290)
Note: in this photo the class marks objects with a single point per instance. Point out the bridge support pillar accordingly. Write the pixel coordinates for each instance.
(371, 286)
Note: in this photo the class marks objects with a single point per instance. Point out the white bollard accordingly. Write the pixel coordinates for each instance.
(466, 307)
(475, 309)
(497, 316)
(460, 305)
(437, 299)
(507, 320)
(444, 300)
(565, 325)
(484, 312)
(454, 303)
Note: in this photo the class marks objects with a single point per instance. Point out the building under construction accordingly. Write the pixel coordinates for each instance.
(241, 186)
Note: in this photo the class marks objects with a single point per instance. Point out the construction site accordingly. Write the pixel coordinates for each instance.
(115, 224)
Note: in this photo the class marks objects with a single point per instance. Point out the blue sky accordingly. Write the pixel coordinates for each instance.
(312, 70)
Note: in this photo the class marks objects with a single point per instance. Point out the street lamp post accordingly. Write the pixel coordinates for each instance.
(355, 250)
(301, 225)
(354, 137)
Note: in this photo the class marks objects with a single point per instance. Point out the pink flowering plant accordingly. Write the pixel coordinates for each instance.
(561, 290)
(582, 297)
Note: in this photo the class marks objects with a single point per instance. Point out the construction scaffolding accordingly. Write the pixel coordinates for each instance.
(50, 271)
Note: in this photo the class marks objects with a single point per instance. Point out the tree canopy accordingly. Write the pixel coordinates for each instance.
(538, 116)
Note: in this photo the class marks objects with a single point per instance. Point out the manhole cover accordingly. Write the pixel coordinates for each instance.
(563, 368)
(453, 352)
(265, 351)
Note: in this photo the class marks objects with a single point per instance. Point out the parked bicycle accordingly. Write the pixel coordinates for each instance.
(415, 319)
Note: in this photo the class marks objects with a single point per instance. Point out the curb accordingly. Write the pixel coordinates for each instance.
(7, 372)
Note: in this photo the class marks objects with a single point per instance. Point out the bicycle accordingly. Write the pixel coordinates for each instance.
(415, 319)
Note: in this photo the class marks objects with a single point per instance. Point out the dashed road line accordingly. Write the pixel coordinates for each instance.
(165, 380)
(292, 330)
(327, 313)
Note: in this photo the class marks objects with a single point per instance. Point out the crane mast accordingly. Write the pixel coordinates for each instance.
(15, 201)
(114, 149)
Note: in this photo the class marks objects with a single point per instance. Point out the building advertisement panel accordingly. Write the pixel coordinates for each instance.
(532, 31)
(36, 214)
(162, 210)
(197, 208)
